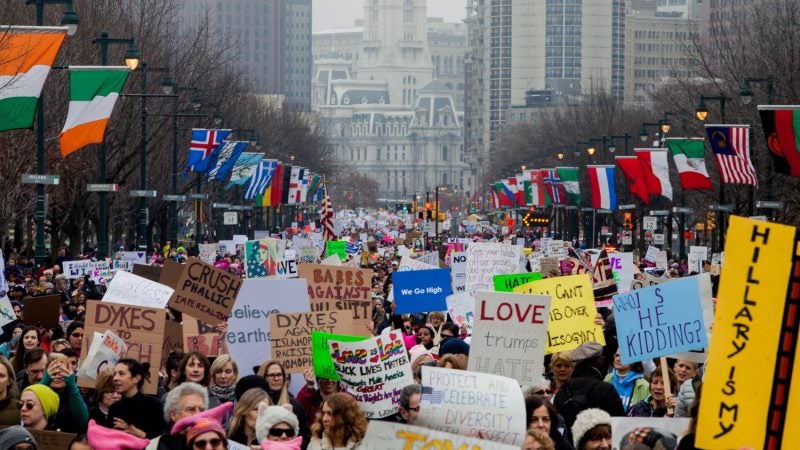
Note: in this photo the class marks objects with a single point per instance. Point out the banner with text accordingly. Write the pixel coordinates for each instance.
(205, 292)
(485, 260)
(399, 436)
(339, 288)
(421, 290)
(321, 356)
(290, 335)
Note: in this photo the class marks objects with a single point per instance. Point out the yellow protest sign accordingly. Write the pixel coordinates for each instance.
(751, 390)
(572, 311)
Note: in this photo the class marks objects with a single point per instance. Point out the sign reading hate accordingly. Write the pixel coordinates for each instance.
(290, 335)
(399, 436)
(205, 292)
(509, 335)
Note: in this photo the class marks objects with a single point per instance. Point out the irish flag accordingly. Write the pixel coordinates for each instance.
(93, 91)
(26, 55)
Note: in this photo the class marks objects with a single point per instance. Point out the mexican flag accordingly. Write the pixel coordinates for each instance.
(26, 56)
(569, 178)
(93, 91)
(689, 155)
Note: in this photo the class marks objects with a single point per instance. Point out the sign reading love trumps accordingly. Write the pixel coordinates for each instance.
(510, 335)
(374, 371)
(205, 292)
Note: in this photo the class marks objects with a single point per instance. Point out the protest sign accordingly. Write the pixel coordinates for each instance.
(173, 340)
(697, 255)
(485, 260)
(643, 280)
(458, 271)
(321, 356)
(199, 336)
(661, 260)
(248, 325)
(106, 349)
(399, 436)
(407, 263)
(337, 248)
(431, 259)
(507, 283)
(226, 247)
(208, 252)
(510, 331)
(262, 257)
(336, 283)
(205, 292)
(659, 320)
(140, 327)
(137, 257)
(332, 260)
(77, 269)
(121, 265)
(374, 371)
(170, 273)
(460, 307)
(751, 389)
(130, 289)
(6, 311)
(42, 310)
(285, 268)
(51, 440)
(469, 403)
(152, 273)
(290, 335)
(622, 267)
(707, 302)
(549, 266)
(572, 311)
(421, 290)
(239, 238)
(652, 253)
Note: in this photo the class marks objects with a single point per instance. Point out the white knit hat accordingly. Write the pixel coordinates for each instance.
(269, 416)
(586, 420)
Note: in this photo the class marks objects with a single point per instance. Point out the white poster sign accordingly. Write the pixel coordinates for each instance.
(208, 252)
(136, 257)
(696, 256)
(622, 266)
(399, 436)
(408, 263)
(230, 218)
(652, 253)
(130, 289)
(77, 269)
(460, 306)
(106, 349)
(431, 259)
(6, 311)
(485, 260)
(458, 271)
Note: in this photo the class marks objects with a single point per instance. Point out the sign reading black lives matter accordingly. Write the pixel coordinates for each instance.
(205, 292)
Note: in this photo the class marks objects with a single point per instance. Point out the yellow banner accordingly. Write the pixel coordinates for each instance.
(572, 311)
(747, 398)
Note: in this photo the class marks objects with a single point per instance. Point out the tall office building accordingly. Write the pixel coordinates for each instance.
(271, 41)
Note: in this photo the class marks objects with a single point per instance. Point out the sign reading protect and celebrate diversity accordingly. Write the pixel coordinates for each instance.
(290, 335)
(374, 371)
(509, 335)
(205, 292)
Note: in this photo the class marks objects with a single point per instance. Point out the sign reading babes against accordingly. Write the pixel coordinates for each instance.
(508, 337)
(472, 404)
(374, 371)
(336, 283)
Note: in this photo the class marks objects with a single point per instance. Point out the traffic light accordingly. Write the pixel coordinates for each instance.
(627, 221)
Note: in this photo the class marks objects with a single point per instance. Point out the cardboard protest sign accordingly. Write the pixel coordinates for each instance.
(659, 320)
(510, 333)
(42, 310)
(170, 273)
(507, 283)
(6, 311)
(468, 403)
(205, 292)
(140, 327)
(460, 307)
(549, 266)
(421, 290)
(399, 436)
(374, 371)
(337, 248)
(751, 389)
(572, 311)
(290, 335)
(106, 349)
(485, 260)
(339, 289)
(130, 289)
(152, 273)
(173, 340)
(51, 440)
(248, 326)
(198, 335)
(321, 356)
(458, 271)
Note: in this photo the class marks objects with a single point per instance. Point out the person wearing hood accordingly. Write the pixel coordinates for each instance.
(278, 390)
(629, 381)
(17, 437)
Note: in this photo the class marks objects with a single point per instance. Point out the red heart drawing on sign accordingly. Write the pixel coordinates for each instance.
(392, 336)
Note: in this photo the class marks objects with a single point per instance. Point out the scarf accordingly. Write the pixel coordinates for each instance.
(224, 394)
(625, 386)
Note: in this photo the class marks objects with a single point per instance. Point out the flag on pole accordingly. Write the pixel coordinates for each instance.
(326, 219)
(503, 192)
(555, 189)
(656, 170)
(261, 179)
(93, 91)
(295, 185)
(689, 155)
(634, 175)
(782, 131)
(304, 185)
(569, 180)
(26, 56)
(315, 188)
(244, 168)
(202, 146)
(731, 146)
(276, 187)
(604, 194)
(519, 194)
(223, 159)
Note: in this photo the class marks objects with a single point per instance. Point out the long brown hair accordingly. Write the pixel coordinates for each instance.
(283, 398)
(347, 424)
(249, 400)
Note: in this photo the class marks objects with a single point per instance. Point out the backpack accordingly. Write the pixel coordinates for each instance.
(575, 401)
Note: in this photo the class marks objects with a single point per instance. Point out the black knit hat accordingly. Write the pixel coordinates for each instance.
(249, 382)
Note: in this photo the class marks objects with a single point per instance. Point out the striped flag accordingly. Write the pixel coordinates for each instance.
(304, 185)
(295, 185)
(326, 219)
(431, 396)
(731, 146)
(352, 249)
(223, 159)
(244, 168)
(93, 91)
(604, 194)
(26, 55)
(261, 178)
(204, 143)
(655, 167)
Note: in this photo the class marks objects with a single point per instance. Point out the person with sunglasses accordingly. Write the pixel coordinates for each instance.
(38, 404)
(278, 390)
(206, 433)
(278, 424)
(75, 336)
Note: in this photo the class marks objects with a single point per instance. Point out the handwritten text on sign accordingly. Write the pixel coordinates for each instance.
(132, 289)
(290, 335)
(572, 311)
(400, 436)
(509, 335)
(485, 260)
(205, 292)
(336, 283)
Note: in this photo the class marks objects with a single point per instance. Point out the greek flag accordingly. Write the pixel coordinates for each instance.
(352, 249)
(261, 179)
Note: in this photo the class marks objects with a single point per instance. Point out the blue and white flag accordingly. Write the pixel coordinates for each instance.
(243, 168)
(261, 179)
(223, 158)
(204, 143)
(352, 249)
(3, 281)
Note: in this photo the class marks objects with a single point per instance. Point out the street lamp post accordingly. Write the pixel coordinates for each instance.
(71, 20)
(132, 61)
(702, 113)
(746, 95)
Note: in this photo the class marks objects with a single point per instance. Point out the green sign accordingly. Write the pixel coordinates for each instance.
(321, 355)
(336, 248)
(507, 283)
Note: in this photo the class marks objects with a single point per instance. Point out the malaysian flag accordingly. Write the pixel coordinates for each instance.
(203, 144)
(430, 396)
(326, 219)
(731, 146)
(261, 179)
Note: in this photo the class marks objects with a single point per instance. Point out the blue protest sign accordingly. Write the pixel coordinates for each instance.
(421, 290)
(660, 320)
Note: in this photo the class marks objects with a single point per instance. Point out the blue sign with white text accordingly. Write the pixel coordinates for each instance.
(421, 290)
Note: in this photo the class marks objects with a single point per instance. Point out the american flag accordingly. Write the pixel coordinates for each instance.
(731, 146)
(431, 396)
(326, 221)
(203, 144)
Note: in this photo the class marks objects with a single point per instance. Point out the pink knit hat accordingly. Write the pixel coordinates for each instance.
(205, 425)
(220, 413)
(293, 444)
(102, 438)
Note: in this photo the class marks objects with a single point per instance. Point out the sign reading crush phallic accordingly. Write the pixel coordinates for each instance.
(205, 292)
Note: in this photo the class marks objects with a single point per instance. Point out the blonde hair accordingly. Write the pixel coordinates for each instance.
(219, 363)
(561, 357)
(12, 378)
(249, 400)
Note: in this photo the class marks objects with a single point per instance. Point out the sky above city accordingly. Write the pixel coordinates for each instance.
(342, 13)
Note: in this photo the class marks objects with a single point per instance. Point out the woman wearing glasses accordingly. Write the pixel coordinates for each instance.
(37, 405)
(75, 336)
(278, 381)
(206, 434)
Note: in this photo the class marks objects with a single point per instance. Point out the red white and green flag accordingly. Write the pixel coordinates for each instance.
(26, 56)
(689, 155)
(569, 179)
